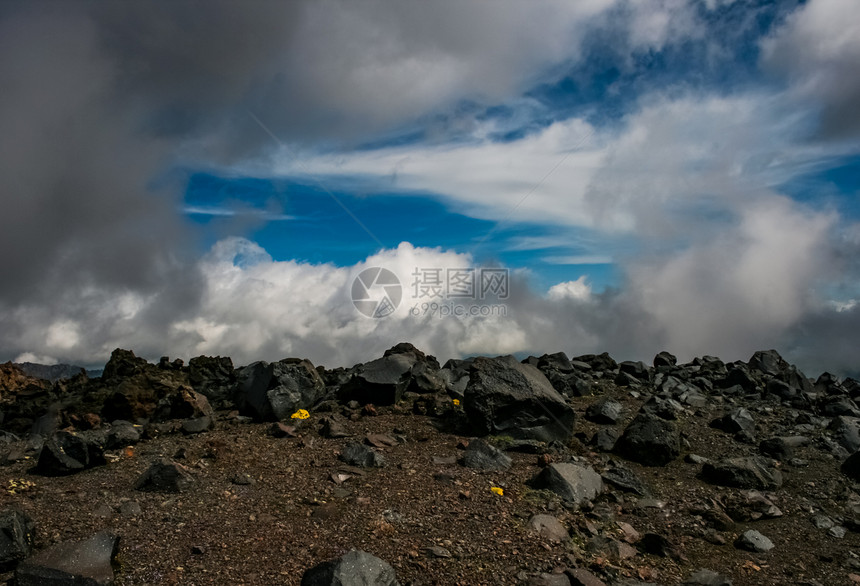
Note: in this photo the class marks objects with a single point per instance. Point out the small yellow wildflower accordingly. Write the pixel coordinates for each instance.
(300, 414)
(21, 485)
(456, 402)
(497, 490)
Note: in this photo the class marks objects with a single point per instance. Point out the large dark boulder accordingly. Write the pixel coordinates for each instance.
(67, 453)
(355, 568)
(274, 391)
(16, 537)
(130, 387)
(649, 440)
(81, 563)
(743, 472)
(214, 378)
(504, 397)
(186, 404)
(384, 380)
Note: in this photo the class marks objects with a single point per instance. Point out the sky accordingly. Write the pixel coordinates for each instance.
(184, 178)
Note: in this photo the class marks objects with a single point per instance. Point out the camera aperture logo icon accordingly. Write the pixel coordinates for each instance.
(376, 292)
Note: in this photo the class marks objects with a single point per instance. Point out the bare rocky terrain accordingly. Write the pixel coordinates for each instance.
(551, 471)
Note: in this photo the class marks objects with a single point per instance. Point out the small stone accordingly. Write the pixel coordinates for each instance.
(582, 577)
(707, 578)
(242, 479)
(548, 527)
(837, 531)
(754, 541)
(165, 476)
(480, 455)
(438, 552)
(357, 454)
(130, 509)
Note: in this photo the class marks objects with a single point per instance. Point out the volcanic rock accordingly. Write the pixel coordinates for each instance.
(355, 568)
(649, 440)
(505, 397)
(81, 563)
(571, 482)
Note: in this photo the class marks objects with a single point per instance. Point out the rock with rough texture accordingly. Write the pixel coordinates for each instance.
(133, 387)
(851, 466)
(187, 405)
(571, 482)
(605, 411)
(504, 397)
(165, 476)
(356, 454)
(122, 434)
(81, 563)
(16, 536)
(274, 391)
(622, 477)
(548, 527)
(582, 577)
(649, 440)
(744, 472)
(67, 453)
(736, 421)
(752, 540)
(482, 456)
(706, 577)
(214, 378)
(355, 568)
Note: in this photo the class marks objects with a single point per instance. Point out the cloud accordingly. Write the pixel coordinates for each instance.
(817, 50)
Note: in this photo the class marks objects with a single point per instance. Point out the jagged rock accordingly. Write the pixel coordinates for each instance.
(188, 405)
(846, 431)
(505, 397)
(606, 438)
(165, 476)
(582, 577)
(740, 378)
(751, 505)
(544, 579)
(744, 472)
(67, 453)
(649, 440)
(606, 411)
(663, 407)
(736, 421)
(356, 454)
(622, 477)
(657, 544)
(121, 434)
(707, 578)
(380, 382)
(332, 428)
(81, 563)
(355, 568)
(782, 448)
(214, 378)
(851, 467)
(16, 537)
(274, 391)
(571, 482)
(752, 540)
(664, 360)
(548, 527)
(482, 456)
(132, 387)
(597, 362)
(638, 370)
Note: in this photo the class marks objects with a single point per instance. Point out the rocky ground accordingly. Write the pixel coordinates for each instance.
(550, 471)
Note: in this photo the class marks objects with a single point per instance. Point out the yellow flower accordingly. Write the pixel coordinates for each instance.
(300, 414)
(456, 402)
(497, 490)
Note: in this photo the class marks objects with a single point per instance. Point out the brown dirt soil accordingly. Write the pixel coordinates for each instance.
(295, 516)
